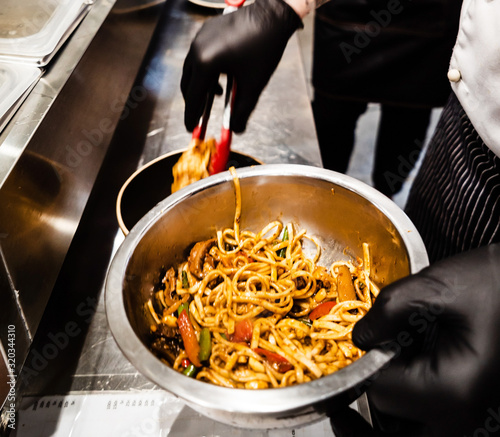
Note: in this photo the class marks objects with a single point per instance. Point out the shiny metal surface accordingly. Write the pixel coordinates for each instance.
(16, 81)
(340, 212)
(151, 125)
(31, 31)
(156, 124)
(50, 155)
(16, 136)
(21, 20)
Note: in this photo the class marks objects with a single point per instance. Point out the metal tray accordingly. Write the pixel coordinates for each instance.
(31, 31)
(16, 81)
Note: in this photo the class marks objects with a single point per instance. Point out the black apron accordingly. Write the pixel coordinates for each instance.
(455, 198)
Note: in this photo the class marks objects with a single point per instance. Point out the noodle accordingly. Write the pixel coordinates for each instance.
(275, 318)
(193, 163)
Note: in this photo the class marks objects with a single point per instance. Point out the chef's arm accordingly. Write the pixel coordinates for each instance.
(304, 7)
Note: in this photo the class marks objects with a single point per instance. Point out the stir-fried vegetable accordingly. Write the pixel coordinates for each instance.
(188, 335)
(345, 286)
(322, 309)
(183, 306)
(190, 370)
(281, 364)
(185, 282)
(282, 252)
(205, 344)
(242, 332)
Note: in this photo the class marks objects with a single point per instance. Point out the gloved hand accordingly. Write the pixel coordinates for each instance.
(248, 44)
(445, 324)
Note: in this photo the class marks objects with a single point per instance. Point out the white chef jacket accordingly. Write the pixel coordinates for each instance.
(475, 68)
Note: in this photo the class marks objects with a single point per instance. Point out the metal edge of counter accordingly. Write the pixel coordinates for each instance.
(50, 154)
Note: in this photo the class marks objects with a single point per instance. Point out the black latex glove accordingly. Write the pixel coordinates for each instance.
(445, 324)
(248, 44)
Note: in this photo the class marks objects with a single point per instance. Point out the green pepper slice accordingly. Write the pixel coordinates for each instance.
(190, 371)
(185, 282)
(282, 252)
(205, 344)
(182, 307)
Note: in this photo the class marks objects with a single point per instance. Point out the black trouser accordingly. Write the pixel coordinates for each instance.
(400, 137)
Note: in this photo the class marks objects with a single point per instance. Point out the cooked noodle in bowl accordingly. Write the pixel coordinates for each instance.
(342, 235)
(258, 312)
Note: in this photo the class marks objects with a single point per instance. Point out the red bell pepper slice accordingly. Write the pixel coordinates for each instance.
(281, 364)
(322, 309)
(189, 339)
(243, 331)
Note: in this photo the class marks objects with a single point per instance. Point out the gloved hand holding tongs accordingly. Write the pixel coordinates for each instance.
(254, 38)
(220, 156)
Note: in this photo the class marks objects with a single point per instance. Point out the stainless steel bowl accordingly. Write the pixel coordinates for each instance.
(340, 211)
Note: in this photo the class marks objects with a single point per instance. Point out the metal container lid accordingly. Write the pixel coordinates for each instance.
(31, 31)
(16, 81)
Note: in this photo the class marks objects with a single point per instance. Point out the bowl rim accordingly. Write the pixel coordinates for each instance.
(265, 401)
(119, 197)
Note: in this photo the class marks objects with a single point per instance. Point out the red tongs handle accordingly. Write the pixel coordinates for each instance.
(234, 3)
(220, 157)
(200, 131)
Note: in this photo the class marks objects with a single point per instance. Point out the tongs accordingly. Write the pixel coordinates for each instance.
(220, 157)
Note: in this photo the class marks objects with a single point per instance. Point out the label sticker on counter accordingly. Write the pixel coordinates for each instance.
(132, 414)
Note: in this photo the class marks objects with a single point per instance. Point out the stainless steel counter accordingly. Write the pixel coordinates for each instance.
(73, 351)
(51, 151)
